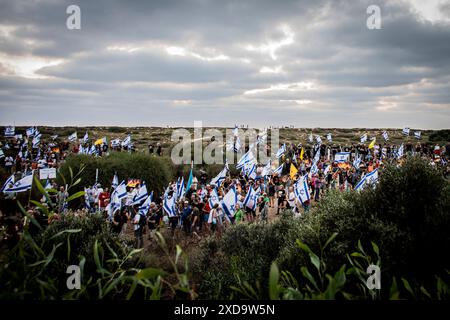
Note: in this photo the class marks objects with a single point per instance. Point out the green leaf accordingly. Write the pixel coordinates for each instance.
(330, 239)
(393, 293)
(75, 196)
(376, 249)
(150, 273)
(303, 246)
(407, 286)
(274, 277)
(65, 231)
(178, 254)
(315, 261)
(41, 189)
(308, 276)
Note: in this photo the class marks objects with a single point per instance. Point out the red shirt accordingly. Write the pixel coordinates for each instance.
(102, 197)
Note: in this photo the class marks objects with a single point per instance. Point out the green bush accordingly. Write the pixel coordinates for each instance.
(406, 215)
(155, 171)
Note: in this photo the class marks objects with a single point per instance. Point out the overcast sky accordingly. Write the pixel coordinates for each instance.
(303, 63)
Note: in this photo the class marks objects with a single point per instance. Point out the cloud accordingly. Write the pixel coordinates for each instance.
(227, 62)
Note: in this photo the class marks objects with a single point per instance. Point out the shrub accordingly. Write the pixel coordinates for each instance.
(155, 171)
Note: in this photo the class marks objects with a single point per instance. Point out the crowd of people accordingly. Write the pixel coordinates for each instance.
(194, 212)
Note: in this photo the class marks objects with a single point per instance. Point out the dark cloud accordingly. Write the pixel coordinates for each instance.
(232, 61)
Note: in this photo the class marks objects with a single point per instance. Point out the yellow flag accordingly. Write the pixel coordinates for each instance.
(100, 141)
(293, 171)
(302, 153)
(372, 143)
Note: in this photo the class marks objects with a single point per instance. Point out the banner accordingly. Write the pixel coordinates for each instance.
(47, 173)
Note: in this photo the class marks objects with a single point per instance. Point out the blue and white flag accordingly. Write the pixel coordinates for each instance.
(10, 131)
(87, 204)
(229, 202)
(86, 137)
(54, 136)
(22, 185)
(385, 136)
(279, 169)
(92, 150)
(217, 180)
(141, 195)
(316, 156)
(237, 145)
(115, 143)
(357, 162)
(115, 182)
(30, 131)
(281, 151)
(363, 138)
(267, 169)
(417, 134)
(341, 156)
(36, 141)
(213, 198)
(251, 199)
(8, 181)
(261, 138)
(314, 169)
(406, 131)
(121, 190)
(191, 177)
(319, 140)
(369, 179)
(180, 188)
(127, 141)
(247, 157)
(250, 170)
(235, 131)
(329, 138)
(400, 151)
(301, 190)
(327, 169)
(73, 137)
(143, 209)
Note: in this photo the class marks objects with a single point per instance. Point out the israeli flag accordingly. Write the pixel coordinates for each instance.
(317, 156)
(400, 151)
(217, 180)
(281, 151)
(369, 179)
(213, 198)
(141, 195)
(385, 136)
(229, 202)
(36, 141)
(314, 169)
(247, 157)
(250, 170)
(251, 199)
(237, 145)
(235, 131)
(363, 138)
(30, 131)
(267, 169)
(115, 182)
(10, 131)
(180, 188)
(22, 185)
(279, 170)
(7, 182)
(115, 143)
(93, 150)
(417, 134)
(318, 140)
(301, 190)
(73, 137)
(261, 138)
(357, 162)
(86, 137)
(121, 190)
(383, 153)
(329, 137)
(87, 205)
(406, 131)
(143, 209)
(341, 156)
(327, 169)
(127, 141)
(48, 185)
